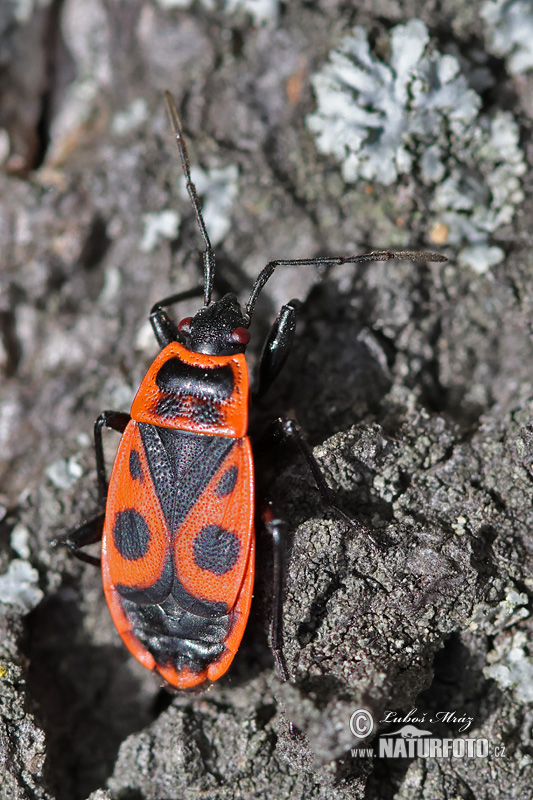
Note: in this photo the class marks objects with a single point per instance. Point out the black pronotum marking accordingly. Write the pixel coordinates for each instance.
(135, 465)
(227, 482)
(171, 406)
(216, 550)
(131, 534)
(207, 388)
(208, 383)
(205, 412)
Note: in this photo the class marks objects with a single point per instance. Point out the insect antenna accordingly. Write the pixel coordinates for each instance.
(381, 255)
(208, 255)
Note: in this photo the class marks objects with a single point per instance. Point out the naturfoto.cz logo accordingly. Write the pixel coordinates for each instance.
(412, 742)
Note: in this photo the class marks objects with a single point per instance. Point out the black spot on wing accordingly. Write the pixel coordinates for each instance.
(216, 550)
(131, 534)
(227, 482)
(181, 465)
(135, 465)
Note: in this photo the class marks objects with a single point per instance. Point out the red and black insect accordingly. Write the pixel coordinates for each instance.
(176, 520)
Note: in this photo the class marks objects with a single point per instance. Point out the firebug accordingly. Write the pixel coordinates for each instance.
(176, 519)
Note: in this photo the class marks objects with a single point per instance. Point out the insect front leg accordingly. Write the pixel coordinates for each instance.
(90, 530)
(277, 345)
(165, 330)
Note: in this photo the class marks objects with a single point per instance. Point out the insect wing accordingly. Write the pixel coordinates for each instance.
(212, 546)
(136, 537)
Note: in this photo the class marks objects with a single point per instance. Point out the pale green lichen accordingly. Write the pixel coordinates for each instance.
(509, 28)
(482, 190)
(493, 620)
(417, 113)
(217, 189)
(374, 117)
(510, 664)
(157, 226)
(19, 586)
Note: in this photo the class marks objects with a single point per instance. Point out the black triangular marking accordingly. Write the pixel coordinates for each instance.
(181, 465)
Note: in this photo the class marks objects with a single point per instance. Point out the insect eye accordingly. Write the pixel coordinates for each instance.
(240, 336)
(185, 325)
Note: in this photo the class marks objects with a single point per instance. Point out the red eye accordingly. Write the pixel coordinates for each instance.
(240, 336)
(185, 325)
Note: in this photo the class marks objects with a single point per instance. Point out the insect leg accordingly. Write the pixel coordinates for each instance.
(90, 530)
(117, 421)
(289, 430)
(276, 530)
(86, 532)
(277, 345)
(164, 329)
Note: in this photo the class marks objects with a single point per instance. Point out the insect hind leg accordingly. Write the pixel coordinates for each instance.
(288, 430)
(276, 529)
